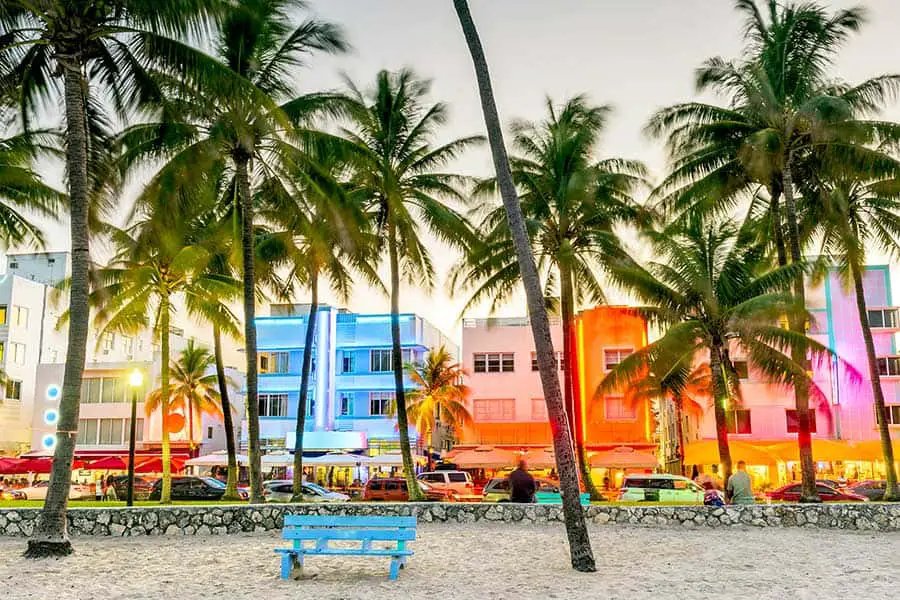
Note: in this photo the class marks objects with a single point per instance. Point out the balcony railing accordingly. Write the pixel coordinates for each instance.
(503, 322)
(888, 366)
(884, 318)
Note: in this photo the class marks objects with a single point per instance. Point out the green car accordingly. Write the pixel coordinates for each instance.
(660, 487)
(497, 490)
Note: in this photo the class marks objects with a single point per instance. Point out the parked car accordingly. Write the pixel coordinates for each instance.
(394, 489)
(660, 487)
(142, 487)
(282, 490)
(459, 482)
(497, 489)
(791, 493)
(873, 489)
(195, 488)
(38, 491)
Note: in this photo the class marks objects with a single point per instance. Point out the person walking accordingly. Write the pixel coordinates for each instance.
(740, 486)
(521, 485)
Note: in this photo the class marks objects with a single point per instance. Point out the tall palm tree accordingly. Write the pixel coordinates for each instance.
(715, 294)
(857, 215)
(194, 388)
(783, 111)
(579, 542)
(53, 52)
(241, 112)
(398, 170)
(572, 202)
(440, 395)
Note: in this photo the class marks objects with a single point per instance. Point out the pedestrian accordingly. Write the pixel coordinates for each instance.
(521, 484)
(711, 496)
(110, 493)
(740, 486)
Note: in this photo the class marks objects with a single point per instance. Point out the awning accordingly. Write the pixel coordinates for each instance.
(110, 463)
(542, 458)
(822, 450)
(624, 458)
(486, 457)
(22, 466)
(215, 459)
(706, 452)
(870, 450)
(154, 465)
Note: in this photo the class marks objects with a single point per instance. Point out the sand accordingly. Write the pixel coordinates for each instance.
(475, 561)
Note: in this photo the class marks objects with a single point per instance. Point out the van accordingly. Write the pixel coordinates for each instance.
(459, 482)
(660, 487)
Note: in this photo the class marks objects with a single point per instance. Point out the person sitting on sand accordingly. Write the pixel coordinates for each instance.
(521, 484)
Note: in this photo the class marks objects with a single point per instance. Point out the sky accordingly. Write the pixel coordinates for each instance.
(636, 55)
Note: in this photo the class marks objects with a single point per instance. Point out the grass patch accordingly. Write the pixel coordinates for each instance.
(108, 504)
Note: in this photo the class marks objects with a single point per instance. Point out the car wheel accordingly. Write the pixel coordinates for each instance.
(24, 496)
(504, 501)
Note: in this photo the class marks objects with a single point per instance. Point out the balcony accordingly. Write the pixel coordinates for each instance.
(885, 319)
(888, 366)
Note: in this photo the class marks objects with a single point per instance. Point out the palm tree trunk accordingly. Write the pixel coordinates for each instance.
(679, 431)
(231, 492)
(582, 556)
(570, 361)
(51, 534)
(777, 228)
(797, 323)
(720, 397)
(165, 405)
(409, 468)
(891, 493)
(304, 384)
(241, 163)
(190, 407)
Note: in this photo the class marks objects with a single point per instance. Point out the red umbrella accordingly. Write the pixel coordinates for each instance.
(154, 465)
(109, 463)
(9, 466)
(35, 465)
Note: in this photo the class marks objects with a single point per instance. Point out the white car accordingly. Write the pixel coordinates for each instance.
(38, 491)
(282, 490)
(660, 487)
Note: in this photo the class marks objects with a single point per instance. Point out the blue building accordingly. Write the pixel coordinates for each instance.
(351, 392)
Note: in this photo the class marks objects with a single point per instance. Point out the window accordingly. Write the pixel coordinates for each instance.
(381, 403)
(738, 421)
(17, 353)
(793, 423)
(138, 430)
(1, 352)
(617, 409)
(13, 264)
(3, 314)
(274, 362)
(743, 370)
(209, 433)
(885, 318)
(310, 404)
(538, 409)
(380, 361)
(494, 410)
(107, 342)
(346, 404)
(19, 316)
(128, 345)
(110, 431)
(113, 390)
(13, 389)
(90, 390)
(273, 405)
(347, 363)
(893, 414)
(457, 477)
(613, 357)
(87, 432)
(888, 366)
(560, 361)
(433, 478)
(495, 362)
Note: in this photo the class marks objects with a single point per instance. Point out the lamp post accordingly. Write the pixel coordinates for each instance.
(136, 382)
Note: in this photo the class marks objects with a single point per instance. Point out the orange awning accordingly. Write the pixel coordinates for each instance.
(486, 457)
(706, 452)
(822, 450)
(624, 458)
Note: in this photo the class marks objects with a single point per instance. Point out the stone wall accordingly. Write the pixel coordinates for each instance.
(214, 519)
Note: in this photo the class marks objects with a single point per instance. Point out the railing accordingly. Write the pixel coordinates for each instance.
(503, 322)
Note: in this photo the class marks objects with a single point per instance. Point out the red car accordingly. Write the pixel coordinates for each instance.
(394, 490)
(791, 493)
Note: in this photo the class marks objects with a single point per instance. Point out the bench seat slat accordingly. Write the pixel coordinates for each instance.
(347, 521)
(386, 535)
(346, 551)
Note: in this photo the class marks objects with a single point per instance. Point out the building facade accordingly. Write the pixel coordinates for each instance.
(351, 399)
(507, 403)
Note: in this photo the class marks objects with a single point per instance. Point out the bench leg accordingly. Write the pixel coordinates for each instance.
(291, 566)
(395, 568)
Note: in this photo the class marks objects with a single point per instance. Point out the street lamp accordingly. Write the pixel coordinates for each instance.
(136, 382)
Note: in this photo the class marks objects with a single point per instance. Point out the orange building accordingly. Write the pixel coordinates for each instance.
(507, 401)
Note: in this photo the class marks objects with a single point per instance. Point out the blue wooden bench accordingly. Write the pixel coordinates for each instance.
(311, 535)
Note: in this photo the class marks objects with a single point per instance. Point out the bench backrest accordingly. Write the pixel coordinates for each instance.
(313, 527)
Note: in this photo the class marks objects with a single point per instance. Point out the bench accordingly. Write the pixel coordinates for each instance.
(311, 535)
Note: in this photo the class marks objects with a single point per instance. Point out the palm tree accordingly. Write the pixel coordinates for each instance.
(784, 112)
(714, 293)
(61, 52)
(241, 112)
(440, 396)
(857, 215)
(396, 168)
(579, 542)
(572, 204)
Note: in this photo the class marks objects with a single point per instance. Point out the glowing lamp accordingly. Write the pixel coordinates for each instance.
(136, 378)
(48, 441)
(53, 392)
(51, 416)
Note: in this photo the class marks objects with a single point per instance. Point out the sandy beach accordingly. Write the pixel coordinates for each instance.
(475, 561)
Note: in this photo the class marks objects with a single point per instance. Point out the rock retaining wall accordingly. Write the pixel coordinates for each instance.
(215, 519)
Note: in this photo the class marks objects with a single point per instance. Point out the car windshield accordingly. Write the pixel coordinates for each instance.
(425, 487)
(318, 489)
(213, 482)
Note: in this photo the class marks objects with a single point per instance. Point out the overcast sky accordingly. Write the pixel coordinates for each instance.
(637, 55)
